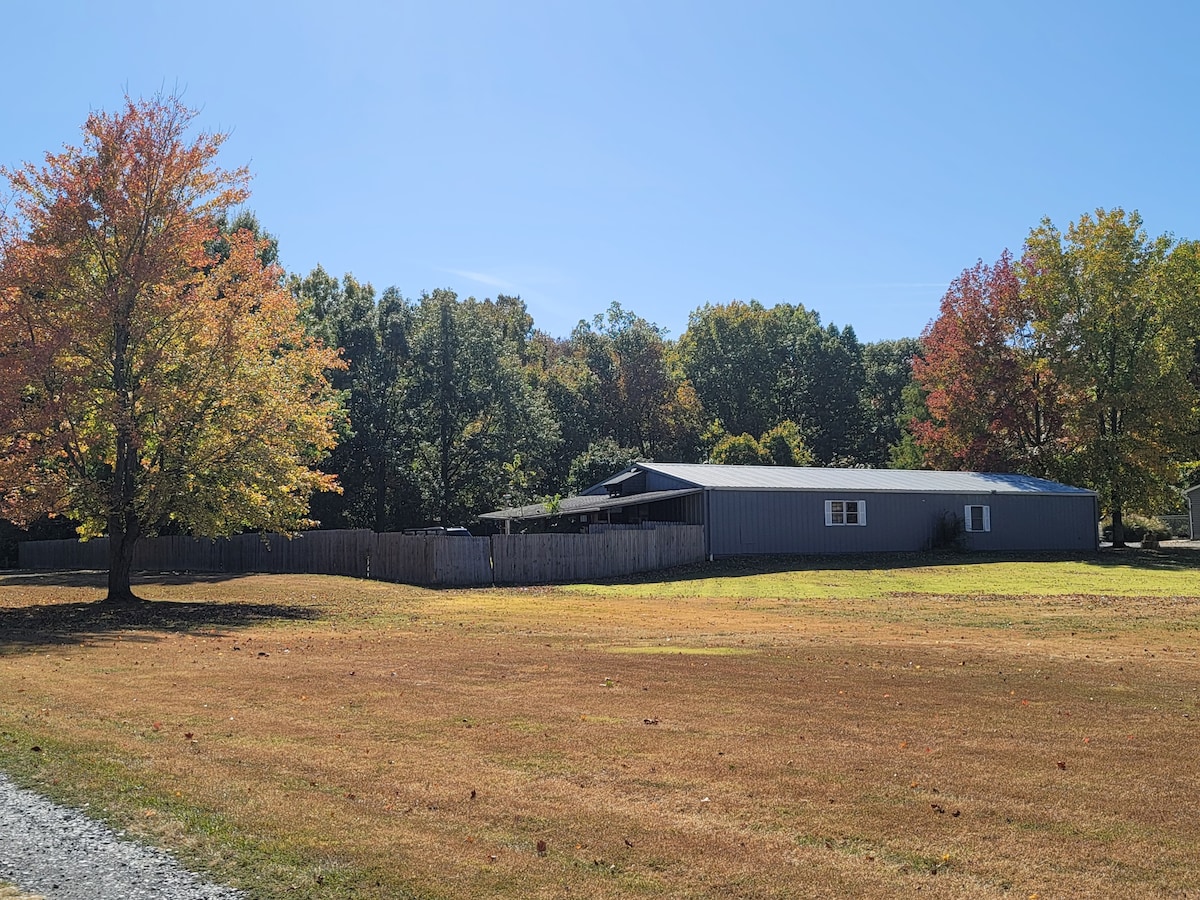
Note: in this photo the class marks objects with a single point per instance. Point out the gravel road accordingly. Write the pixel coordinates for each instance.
(57, 853)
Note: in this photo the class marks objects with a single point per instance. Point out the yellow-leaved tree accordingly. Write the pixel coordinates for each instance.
(154, 373)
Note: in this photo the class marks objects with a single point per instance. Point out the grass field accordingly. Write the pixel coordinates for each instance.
(957, 726)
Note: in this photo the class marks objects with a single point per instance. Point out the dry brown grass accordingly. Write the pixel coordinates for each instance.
(365, 740)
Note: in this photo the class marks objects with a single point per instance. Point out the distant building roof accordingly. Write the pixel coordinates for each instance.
(573, 506)
(786, 478)
(863, 480)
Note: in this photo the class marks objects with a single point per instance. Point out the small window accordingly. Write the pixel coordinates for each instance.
(845, 512)
(978, 518)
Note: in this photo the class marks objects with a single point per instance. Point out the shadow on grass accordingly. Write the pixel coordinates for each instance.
(95, 578)
(1164, 559)
(1169, 559)
(54, 624)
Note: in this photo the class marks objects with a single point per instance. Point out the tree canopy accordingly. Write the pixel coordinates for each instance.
(1120, 327)
(753, 368)
(994, 403)
(156, 375)
(1078, 362)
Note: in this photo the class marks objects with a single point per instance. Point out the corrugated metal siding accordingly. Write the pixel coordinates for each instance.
(752, 522)
(662, 481)
(1193, 499)
(1030, 522)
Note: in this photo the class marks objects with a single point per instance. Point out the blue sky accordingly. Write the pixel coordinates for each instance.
(853, 157)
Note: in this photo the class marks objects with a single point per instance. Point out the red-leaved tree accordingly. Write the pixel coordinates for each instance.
(993, 400)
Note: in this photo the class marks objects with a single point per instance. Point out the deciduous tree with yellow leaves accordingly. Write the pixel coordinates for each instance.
(154, 373)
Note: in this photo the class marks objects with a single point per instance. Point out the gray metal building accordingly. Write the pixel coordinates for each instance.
(749, 510)
(1193, 502)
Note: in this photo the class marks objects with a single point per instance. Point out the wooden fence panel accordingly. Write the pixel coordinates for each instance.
(63, 554)
(433, 560)
(397, 557)
(541, 558)
(680, 546)
(461, 561)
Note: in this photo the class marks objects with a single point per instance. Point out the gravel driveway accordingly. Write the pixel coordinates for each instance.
(57, 853)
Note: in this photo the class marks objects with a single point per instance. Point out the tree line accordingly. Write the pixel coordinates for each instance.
(456, 406)
(1079, 362)
(161, 373)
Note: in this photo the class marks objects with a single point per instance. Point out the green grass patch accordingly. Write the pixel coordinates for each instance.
(1128, 573)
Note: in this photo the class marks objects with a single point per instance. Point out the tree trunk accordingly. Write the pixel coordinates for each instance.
(124, 526)
(381, 482)
(121, 541)
(1115, 473)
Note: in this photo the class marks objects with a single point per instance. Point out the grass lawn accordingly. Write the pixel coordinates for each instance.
(958, 726)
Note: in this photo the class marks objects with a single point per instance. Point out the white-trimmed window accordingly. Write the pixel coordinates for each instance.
(978, 518)
(845, 512)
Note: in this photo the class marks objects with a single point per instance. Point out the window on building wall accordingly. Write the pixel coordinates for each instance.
(978, 518)
(845, 512)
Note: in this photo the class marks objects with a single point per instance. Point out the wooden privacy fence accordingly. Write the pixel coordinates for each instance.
(540, 558)
(432, 560)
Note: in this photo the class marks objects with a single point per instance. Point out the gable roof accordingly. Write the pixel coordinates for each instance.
(811, 478)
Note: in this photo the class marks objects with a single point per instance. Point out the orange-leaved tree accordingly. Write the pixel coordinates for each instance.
(152, 376)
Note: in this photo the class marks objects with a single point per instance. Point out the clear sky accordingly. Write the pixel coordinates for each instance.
(850, 156)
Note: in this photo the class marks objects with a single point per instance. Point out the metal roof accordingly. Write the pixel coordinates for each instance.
(810, 478)
(570, 506)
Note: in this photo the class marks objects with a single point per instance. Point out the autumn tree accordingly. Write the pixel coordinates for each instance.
(154, 373)
(1121, 315)
(245, 220)
(995, 400)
